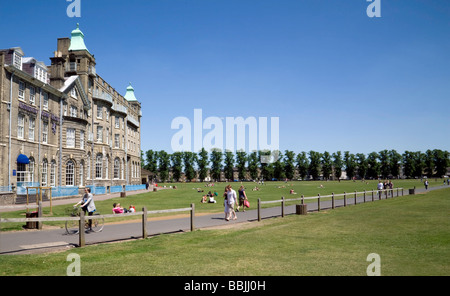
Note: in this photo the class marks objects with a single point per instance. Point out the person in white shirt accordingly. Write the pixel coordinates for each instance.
(380, 187)
(231, 199)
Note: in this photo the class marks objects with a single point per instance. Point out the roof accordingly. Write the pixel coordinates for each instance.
(71, 82)
(27, 60)
(129, 96)
(77, 40)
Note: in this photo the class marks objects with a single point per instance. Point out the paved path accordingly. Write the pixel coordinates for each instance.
(20, 242)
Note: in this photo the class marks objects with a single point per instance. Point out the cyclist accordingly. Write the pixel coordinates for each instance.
(87, 205)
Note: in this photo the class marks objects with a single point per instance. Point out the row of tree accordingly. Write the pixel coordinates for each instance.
(384, 164)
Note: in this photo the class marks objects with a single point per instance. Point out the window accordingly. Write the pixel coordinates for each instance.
(116, 141)
(65, 108)
(88, 174)
(73, 92)
(70, 138)
(45, 101)
(117, 122)
(73, 111)
(32, 95)
(99, 112)
(21, 90)
(20, 126)
(107, 135)
(52, 173)
(122, 169)
(22, 175)
(116, 168)
(98, 167)
(44, 172)
(31, 126)
(70, 173)
(31, 169)
(17, 60)
(81, 139)
(81, 173)
(45, 132)
(40, 74)
(107, 115)
(99, 134)
(107, 168)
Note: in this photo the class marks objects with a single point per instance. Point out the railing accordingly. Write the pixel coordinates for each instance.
(114, 189)
(6, 189)
(92, 71)
(97, 94)
(82, 219)
(133, 121)
(364, 194)
(119, 108)
(134, 187)
(59, 191)
(144, 213)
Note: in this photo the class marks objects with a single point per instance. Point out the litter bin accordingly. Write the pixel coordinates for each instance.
(31, 225)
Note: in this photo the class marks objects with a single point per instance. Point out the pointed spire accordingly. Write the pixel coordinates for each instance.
(129, 96)
(77, 40)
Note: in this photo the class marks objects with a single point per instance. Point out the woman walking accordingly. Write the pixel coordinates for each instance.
(225, 203)
(231, 199)
(242, 198)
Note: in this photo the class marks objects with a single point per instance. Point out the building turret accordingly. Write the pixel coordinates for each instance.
(130, 94)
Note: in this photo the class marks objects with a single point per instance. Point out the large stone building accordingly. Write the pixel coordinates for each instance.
(63, 124)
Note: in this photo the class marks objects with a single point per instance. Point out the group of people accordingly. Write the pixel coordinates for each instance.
(231, 200)
(385, 185)
(117, 209)
(211, 197)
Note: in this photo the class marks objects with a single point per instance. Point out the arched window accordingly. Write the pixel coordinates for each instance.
(122, 171)
(116, 168)
(81, 173)
(89, 166)
(98, 166)
(70, 173)
(44, 172)
(31, 170)
(53, 173)
(107, 168)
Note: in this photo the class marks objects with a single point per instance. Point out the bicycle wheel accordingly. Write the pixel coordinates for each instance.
(97, 223)
(72, 227)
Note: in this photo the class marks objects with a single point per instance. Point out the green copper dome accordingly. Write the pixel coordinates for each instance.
(77, 40)
(129, 96)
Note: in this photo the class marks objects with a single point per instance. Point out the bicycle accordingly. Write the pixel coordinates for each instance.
(72, 226)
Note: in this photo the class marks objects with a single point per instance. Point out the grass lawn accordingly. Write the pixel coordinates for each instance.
(186, 193)
(411, 234)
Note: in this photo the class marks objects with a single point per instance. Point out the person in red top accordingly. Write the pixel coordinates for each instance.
(117, 209)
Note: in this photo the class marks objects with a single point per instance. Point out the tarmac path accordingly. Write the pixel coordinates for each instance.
(38, 241)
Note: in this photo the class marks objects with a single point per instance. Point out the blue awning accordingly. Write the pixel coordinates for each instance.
(23, 159)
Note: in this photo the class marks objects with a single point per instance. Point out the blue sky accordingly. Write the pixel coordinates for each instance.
(337, 79)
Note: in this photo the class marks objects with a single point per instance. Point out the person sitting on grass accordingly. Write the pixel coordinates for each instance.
(204, 198)
(117, 209)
